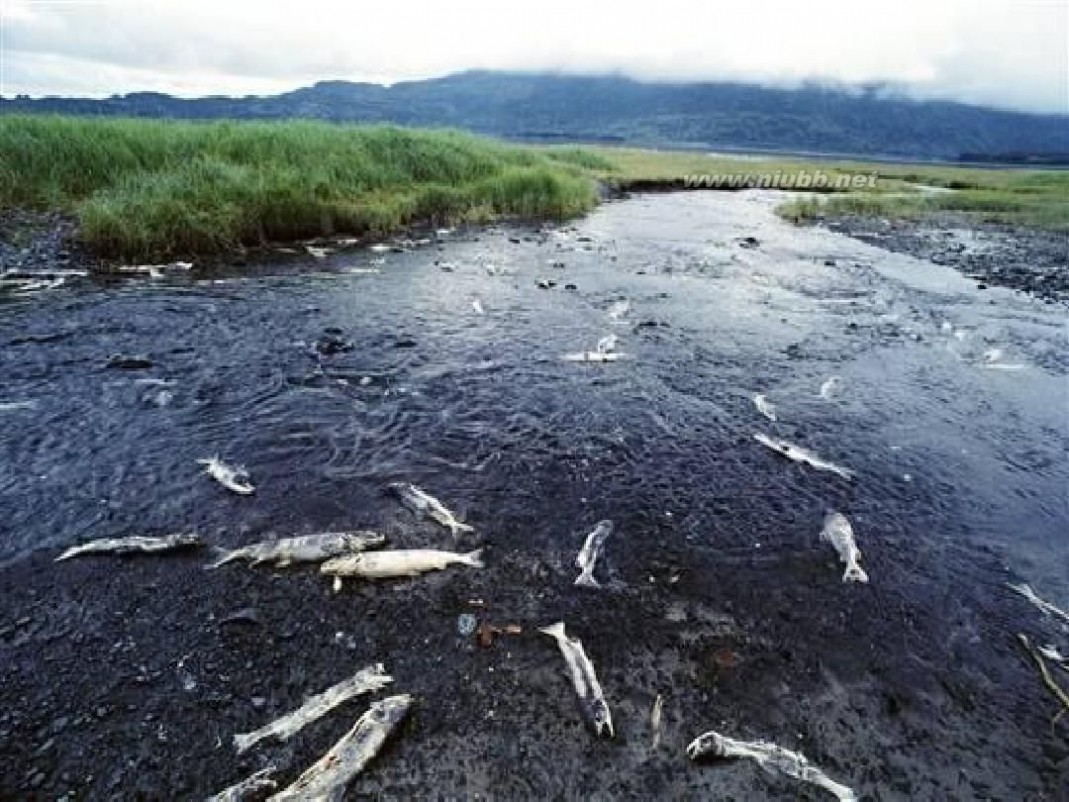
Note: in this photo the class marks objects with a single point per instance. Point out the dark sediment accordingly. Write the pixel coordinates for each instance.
(1021, 258)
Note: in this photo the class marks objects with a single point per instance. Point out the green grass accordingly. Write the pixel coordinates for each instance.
(162, 189)
(1032, 198)
(154, 189)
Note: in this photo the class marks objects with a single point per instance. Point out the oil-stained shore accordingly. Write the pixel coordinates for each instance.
(127, 678)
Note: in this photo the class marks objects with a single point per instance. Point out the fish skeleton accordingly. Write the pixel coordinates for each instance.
(772, 758)
(588, 555)
(830, 387)
(607, 344)
(306, 549)
(234, 478)
(423, 503)
(592, 356)
(252, 787)
(765, 407)
(327, 778)
(398, 563)
(840, 534)
(366, 680)
(130, 545)
(591, 698)
(803, 455)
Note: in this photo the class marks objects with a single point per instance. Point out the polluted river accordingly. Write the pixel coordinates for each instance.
(331, 376)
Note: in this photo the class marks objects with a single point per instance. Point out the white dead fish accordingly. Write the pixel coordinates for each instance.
(592, 356)
(607, 344)
(591, 698)
(619, 309)
(423, 503)
(233, 478)
(840, 534)
(1050, 651)
(398, 563)
(318, 253)
(477, 305)
(765, 407)
(13, 406)
(772, 758)
(803, 455)
(366, 680)
(655, 720)
(305, 549)
(588, 555)
(379, 247)
(131, 545)
(252, 787)
(1048, 609)
(830, 387)
(327, 778)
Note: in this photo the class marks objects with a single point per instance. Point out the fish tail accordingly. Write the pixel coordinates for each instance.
(473, 558)
(855, 573)
(586, 580)
(554, 630)
(226, 557)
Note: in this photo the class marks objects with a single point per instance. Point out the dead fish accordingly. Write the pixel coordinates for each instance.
(803, 455)
(591, 698)
(305, 549)
(251, 787)
(655, 720)
(592, 356)
(765, 407)
(366, 680)
(131, 545)
(234, 478)
(830, 387)
(318, 253)
(607, 344)
(840, 534)
(398, 563)
(11, 406)
(1045, 606)
(327, 778)
(772, 758)
(423, 503)
(588, 555)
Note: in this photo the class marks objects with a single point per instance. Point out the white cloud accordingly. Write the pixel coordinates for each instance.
(1006, 53)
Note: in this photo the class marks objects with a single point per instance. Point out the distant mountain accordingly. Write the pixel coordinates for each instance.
(550, 106)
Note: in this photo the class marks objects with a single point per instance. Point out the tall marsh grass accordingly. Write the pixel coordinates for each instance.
(156, 189)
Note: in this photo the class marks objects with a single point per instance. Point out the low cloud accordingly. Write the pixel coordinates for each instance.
(1007, 54)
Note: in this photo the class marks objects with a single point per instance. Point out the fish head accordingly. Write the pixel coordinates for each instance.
(600, 717)
(706, 744)
(391, 710)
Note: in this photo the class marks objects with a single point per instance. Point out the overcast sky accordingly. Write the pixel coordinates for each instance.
(1010, 53)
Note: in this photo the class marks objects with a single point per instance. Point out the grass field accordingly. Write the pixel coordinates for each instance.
(149, 189)
(1034, 198)
(163, 189)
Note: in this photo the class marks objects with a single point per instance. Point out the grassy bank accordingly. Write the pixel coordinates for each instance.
(153, 189)
(1034, 198)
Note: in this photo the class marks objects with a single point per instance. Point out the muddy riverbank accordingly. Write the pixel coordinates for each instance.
(330, 377)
